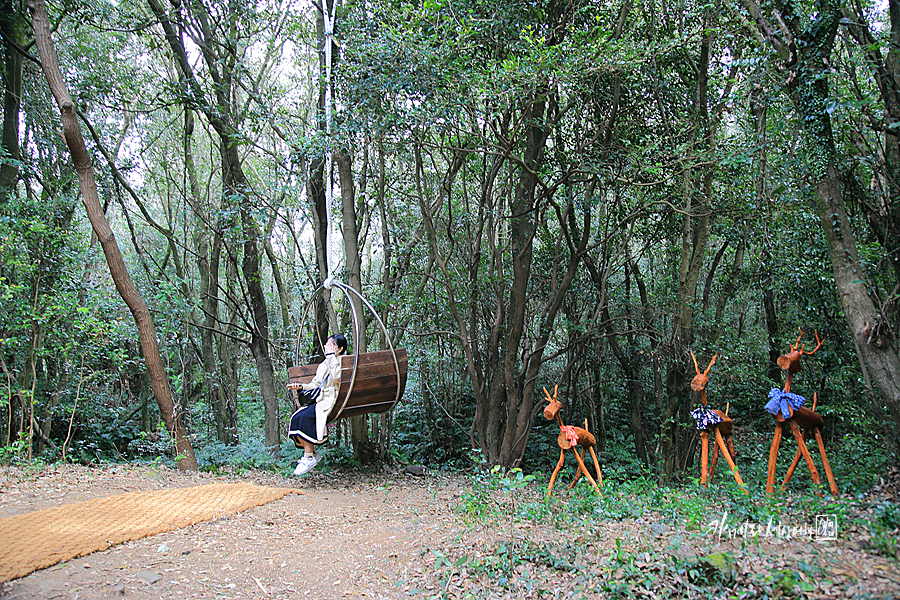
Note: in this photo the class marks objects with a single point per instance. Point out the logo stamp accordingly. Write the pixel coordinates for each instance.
(826, 527)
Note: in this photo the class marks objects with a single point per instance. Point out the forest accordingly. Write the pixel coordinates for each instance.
(570, 194)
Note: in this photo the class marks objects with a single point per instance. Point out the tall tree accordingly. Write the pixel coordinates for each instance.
(209, 240)
(694, 239)
(82, 161)
(220, 55)
(504, 345)
(804, 46)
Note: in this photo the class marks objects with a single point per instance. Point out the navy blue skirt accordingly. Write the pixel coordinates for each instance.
(303, 425)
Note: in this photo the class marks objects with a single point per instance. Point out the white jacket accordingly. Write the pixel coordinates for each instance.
(330, 368)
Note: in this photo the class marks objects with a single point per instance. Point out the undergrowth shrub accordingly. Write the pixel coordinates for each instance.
(885, 530)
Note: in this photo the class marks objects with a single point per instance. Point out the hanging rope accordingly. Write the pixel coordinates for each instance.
(329, 16)
(332, 264)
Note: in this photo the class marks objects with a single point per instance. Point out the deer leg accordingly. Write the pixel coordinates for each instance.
(734, 471)
(773, 457)
(586, 474)
(831, 483)
(713, 462)
(704, 455)
(562, 460)
(794, 463)
(795, 430)
(577, 472)
(596, 466)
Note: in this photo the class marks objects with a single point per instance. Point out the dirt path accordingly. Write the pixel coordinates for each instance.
(397, 536)
(346, 536)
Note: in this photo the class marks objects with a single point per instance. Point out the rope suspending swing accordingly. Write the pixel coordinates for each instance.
(328, 16)
(371, 382)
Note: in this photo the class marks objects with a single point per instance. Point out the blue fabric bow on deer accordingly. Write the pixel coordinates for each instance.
(705, 416)
(780, 400)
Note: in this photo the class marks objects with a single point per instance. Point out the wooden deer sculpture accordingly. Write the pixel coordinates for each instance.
(717, 422)
(570, 438)
(788, 411)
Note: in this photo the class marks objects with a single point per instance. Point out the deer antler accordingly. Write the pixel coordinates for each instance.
(546, 393)
(706, 372)
(818, 345)
(796, 344)
(791, 361)
(551, 411)
(711, 363)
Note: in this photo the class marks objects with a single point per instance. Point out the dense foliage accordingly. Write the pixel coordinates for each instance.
(530, 194)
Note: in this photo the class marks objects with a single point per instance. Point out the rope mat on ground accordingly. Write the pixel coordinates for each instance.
(43, 538)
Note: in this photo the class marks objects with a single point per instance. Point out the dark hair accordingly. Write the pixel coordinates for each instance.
(341, 341)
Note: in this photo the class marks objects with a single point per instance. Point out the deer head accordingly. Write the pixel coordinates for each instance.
(790, 362)
(701, 380)
(554, 406)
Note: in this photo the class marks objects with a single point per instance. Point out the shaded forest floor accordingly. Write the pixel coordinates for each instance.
(358, 535)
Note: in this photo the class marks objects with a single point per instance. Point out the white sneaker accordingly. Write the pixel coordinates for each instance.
(306, 464)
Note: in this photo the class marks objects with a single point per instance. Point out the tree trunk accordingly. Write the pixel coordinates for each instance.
(208, 261)
(773, 370)
(597, 377)
(695, 234)
(882, 205)
(228, 351)
(60, 379)
(12, 95)
(259, 333)
(878, 353)
(315, 191)
(759, 108)
(718, 321)
(508, 404)
(126, 288)
(364, 450)
(283, 298)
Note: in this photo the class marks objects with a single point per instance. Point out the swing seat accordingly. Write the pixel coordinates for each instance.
(376, 388)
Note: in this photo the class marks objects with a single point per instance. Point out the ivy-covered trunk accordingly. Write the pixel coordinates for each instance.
(806, 49)
(878, 353)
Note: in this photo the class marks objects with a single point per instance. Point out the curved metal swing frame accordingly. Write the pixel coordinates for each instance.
(340, 404)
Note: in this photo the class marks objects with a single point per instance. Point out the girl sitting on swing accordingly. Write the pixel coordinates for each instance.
(308, 422)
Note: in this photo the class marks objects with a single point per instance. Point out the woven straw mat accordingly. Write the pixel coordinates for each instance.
(43, 538)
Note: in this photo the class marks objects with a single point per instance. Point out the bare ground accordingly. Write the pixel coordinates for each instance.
(353, 535)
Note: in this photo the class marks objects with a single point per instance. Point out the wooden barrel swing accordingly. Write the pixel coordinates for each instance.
(371, 382)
